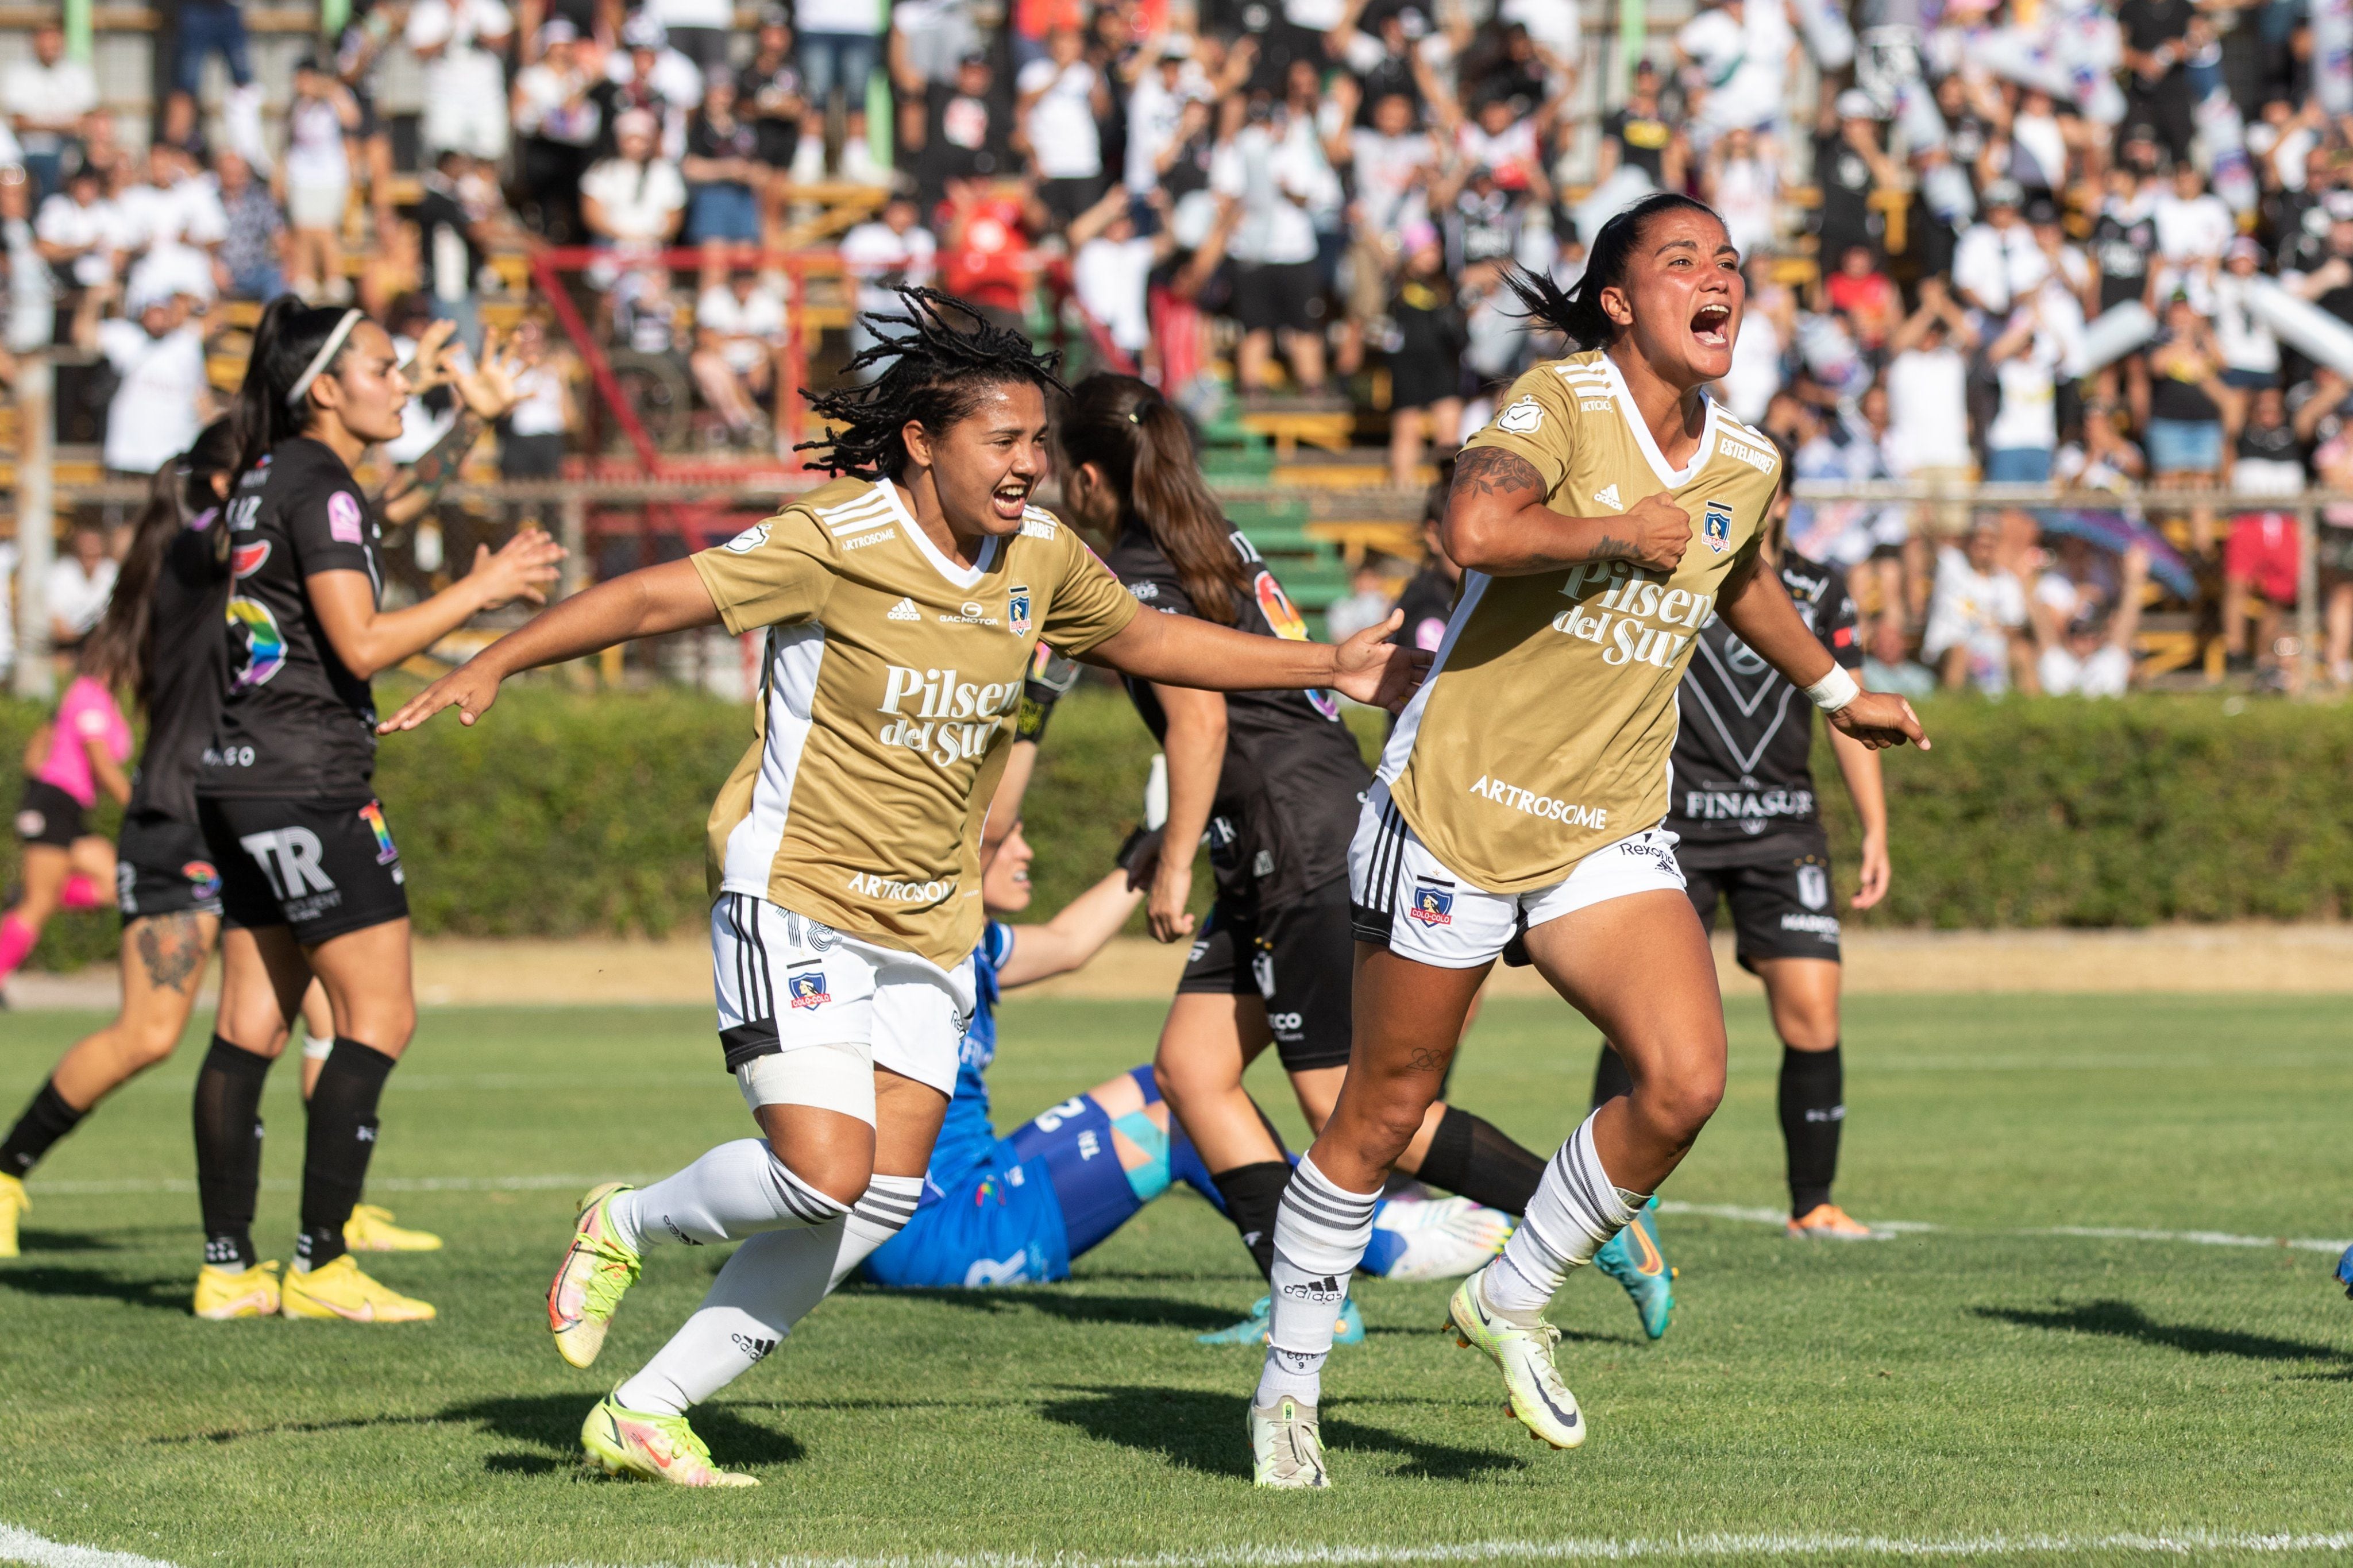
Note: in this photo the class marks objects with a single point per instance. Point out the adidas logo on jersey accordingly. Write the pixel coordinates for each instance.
(904, 610)
(1608, 496)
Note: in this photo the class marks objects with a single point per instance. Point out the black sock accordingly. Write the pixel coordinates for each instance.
(1252, 1194)
(1472, 1156)
(46, 1119)
(1813, 1094)
(228, 1150)
(341, 1137)
(1610, 1079)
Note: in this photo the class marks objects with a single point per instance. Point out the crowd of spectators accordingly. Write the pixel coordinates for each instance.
(1948, 212)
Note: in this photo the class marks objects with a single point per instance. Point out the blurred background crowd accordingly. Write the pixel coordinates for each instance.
(2022, 242)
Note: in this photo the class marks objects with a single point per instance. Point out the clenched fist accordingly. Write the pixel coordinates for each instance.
(1653, 533)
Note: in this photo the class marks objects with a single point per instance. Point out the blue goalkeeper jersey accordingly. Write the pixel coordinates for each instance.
(966, 1136)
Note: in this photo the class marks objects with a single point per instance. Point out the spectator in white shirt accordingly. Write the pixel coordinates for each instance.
(1155, 108)
(79, 231)
(164, 398)
(1110, 270)
(1928, 382)
(1997, 261)
(78, 585)
(2194, 227)
(1975, 617)
(46, 98)
(2249, 352)
(31, 317)
(1278, 292)
(1736, 59)
(635, 198)
(314, 179)
(739, 329)
(1060, 98)
(881, 254)
(465, 84)
(2024, 432)
(840, 42)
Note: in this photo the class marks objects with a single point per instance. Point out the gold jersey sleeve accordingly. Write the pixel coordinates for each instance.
(1544, 728)
(891, 679)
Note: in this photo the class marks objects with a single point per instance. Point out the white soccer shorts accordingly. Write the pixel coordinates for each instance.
(785, 982)
(1409, 901)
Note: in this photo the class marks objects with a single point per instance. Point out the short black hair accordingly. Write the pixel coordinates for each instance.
(933, 373)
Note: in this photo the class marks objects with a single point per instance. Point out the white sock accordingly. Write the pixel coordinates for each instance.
(1576, 1211)
(771, 1283)
(1320, 1234)
(736, 1190)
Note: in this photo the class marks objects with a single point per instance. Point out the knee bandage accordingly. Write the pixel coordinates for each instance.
(829, 1078)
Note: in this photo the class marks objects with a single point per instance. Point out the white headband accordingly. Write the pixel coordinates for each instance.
(324, 357)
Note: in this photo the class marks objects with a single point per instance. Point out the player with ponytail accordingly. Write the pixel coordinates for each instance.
(1271, 781)
(311, 881)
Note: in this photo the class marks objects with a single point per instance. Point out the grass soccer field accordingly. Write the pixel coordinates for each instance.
(1996, 1380)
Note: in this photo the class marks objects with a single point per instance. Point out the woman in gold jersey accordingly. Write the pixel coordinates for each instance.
(903, 605)
(1606, 513)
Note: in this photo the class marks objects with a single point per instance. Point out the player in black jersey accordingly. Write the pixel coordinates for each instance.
(1750, 830)
(310, 882)
(1272, 782)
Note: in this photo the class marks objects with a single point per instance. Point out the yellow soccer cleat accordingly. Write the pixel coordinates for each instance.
(14, 1206)
(651, 1447)
(1287, 1447)
(1828, 1222)
(339, 1290)
(370, 1229)
(597, 1268)
(1524, 1355)
(225, 1293)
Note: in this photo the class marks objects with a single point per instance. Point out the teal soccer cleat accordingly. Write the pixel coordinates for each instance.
(1632, 1259)
(1253, 1330)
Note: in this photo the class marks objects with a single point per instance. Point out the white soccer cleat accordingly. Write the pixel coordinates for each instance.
(1287, 1447)
(1444, 1238)
(1538, 1399)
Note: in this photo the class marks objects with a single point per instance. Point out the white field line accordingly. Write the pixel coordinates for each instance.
(1889, 1229)
(24, 1546)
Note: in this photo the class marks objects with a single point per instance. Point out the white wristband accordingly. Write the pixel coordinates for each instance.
(1835, 690)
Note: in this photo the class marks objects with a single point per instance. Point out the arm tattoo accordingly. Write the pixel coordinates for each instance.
(1491, 470)
(172, 949)
(1610, 547)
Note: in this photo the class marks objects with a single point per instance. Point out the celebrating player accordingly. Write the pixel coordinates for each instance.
(1606, 512)
(310, 883)
(1750, 829)
(901, 605)
(1272, 780)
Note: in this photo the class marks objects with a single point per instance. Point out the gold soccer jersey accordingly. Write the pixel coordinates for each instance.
(892, 679)
(1544, 730)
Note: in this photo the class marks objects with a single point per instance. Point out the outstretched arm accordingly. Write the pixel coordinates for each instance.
(1859, 765)
(1757, 608)
(1496, 522)
(1072, 936)
(1182, 650)
(671, 597)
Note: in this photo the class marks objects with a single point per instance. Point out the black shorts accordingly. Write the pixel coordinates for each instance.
(163, 867)
(1783, 904)
(322, 870)
(48, 815)
(1069, 197)
(1279, 297)
(1298, 958)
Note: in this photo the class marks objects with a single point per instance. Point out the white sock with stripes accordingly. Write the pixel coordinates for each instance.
(1320, 1234)
(1576, 1211)
(769, 1285)
(736, 1190)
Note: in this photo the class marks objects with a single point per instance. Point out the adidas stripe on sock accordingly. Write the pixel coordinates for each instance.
(1320, 1233)
(1576, 1210)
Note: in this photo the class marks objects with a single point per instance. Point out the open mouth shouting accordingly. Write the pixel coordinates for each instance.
(1010, 498)
(1712, 325)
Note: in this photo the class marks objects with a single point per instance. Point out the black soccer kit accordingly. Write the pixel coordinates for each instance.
(161, 864)
(1286, 805)
(1743, 803)
(285, 789)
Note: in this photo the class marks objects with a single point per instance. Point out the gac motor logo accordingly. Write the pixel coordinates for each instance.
(939, 701)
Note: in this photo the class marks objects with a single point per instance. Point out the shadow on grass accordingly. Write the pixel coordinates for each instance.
(170, 1294)
(1198, 1431)
(549, 1423)
(2123, 1319)
(68, 1241)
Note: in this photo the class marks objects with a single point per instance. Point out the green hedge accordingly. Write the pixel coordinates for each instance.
(570, 815)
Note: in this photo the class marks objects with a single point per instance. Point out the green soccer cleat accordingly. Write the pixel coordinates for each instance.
(1524, 1355)
(651, 1447)
(597, 1269)
(1632, 1259)
(1287, 1447)
(1253, 1330)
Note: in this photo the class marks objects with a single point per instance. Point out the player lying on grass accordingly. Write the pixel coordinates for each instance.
(1608, 511)
(1015, 1210)
(903, 605)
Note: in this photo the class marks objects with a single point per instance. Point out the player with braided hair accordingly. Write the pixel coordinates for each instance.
(903, 605)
